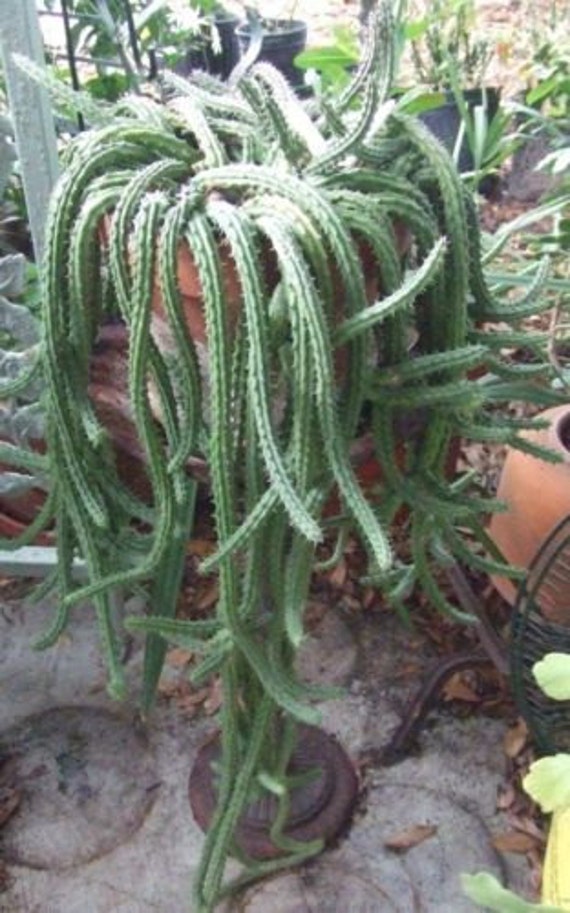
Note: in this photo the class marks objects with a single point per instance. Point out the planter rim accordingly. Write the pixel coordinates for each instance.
(285, 27)
(475, 93)
(222, 16)
(560, 424)
(470, 95)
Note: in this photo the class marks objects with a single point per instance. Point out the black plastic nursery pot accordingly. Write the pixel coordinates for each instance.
(445, 123)
(282, 40)
(218, 64)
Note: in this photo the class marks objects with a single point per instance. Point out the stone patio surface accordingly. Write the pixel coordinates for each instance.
(104, 825)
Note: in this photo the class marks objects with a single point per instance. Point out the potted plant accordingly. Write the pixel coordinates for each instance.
(535, 485)
(275, 40)
(127, 45)
(199, 35)
(330, 65)
(268, 269)
(540, 166)
(451, 61)
(443, 40)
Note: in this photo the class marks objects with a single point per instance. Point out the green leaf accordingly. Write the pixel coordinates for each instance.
(414, 103)
(324, 58)
(415, 30)
(107, 86)
(548, 782)
(542, 90)
(484, 888)
(553, 675)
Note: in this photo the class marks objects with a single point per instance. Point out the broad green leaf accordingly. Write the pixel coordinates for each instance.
(548, 782)
(484, 888)
(417, 29)
(553, 675)
(419, 104)
(542, 90)
(324, 58)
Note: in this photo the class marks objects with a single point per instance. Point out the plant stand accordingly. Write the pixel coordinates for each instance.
(321, 806)
(536, 633)
(533, 634)
(492, 650)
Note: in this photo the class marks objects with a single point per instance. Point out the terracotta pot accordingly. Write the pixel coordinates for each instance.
(23, 507)
(191, 293)
(368, 469)
(109, 393)
(12, 526)
(538, 495)
(17, 511)
(108, 390)
(191, 290)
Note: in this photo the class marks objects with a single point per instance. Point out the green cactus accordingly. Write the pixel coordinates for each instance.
(293, 196)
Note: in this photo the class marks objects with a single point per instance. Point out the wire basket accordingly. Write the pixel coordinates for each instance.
(533, 635)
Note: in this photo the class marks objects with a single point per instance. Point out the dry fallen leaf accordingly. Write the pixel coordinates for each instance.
(514, 842)
(410, 837)
(351, 602)
(215, 696)
(407, 670)
(200, 547)
(526, 825)
(207, 597)
(456, 689)
(189, 702)
(515, 739)
(178, 658)
(168, 689)
(315, 611)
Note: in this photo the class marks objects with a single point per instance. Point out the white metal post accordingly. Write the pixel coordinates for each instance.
(34, 130)
(30, 110)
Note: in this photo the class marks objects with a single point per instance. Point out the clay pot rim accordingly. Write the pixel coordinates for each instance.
(560, 429)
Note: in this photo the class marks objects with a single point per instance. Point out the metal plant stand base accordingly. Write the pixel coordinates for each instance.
(532, 636)
(492, 650)
(321, 808)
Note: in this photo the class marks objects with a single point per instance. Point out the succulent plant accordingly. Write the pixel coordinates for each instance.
(346, 227)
